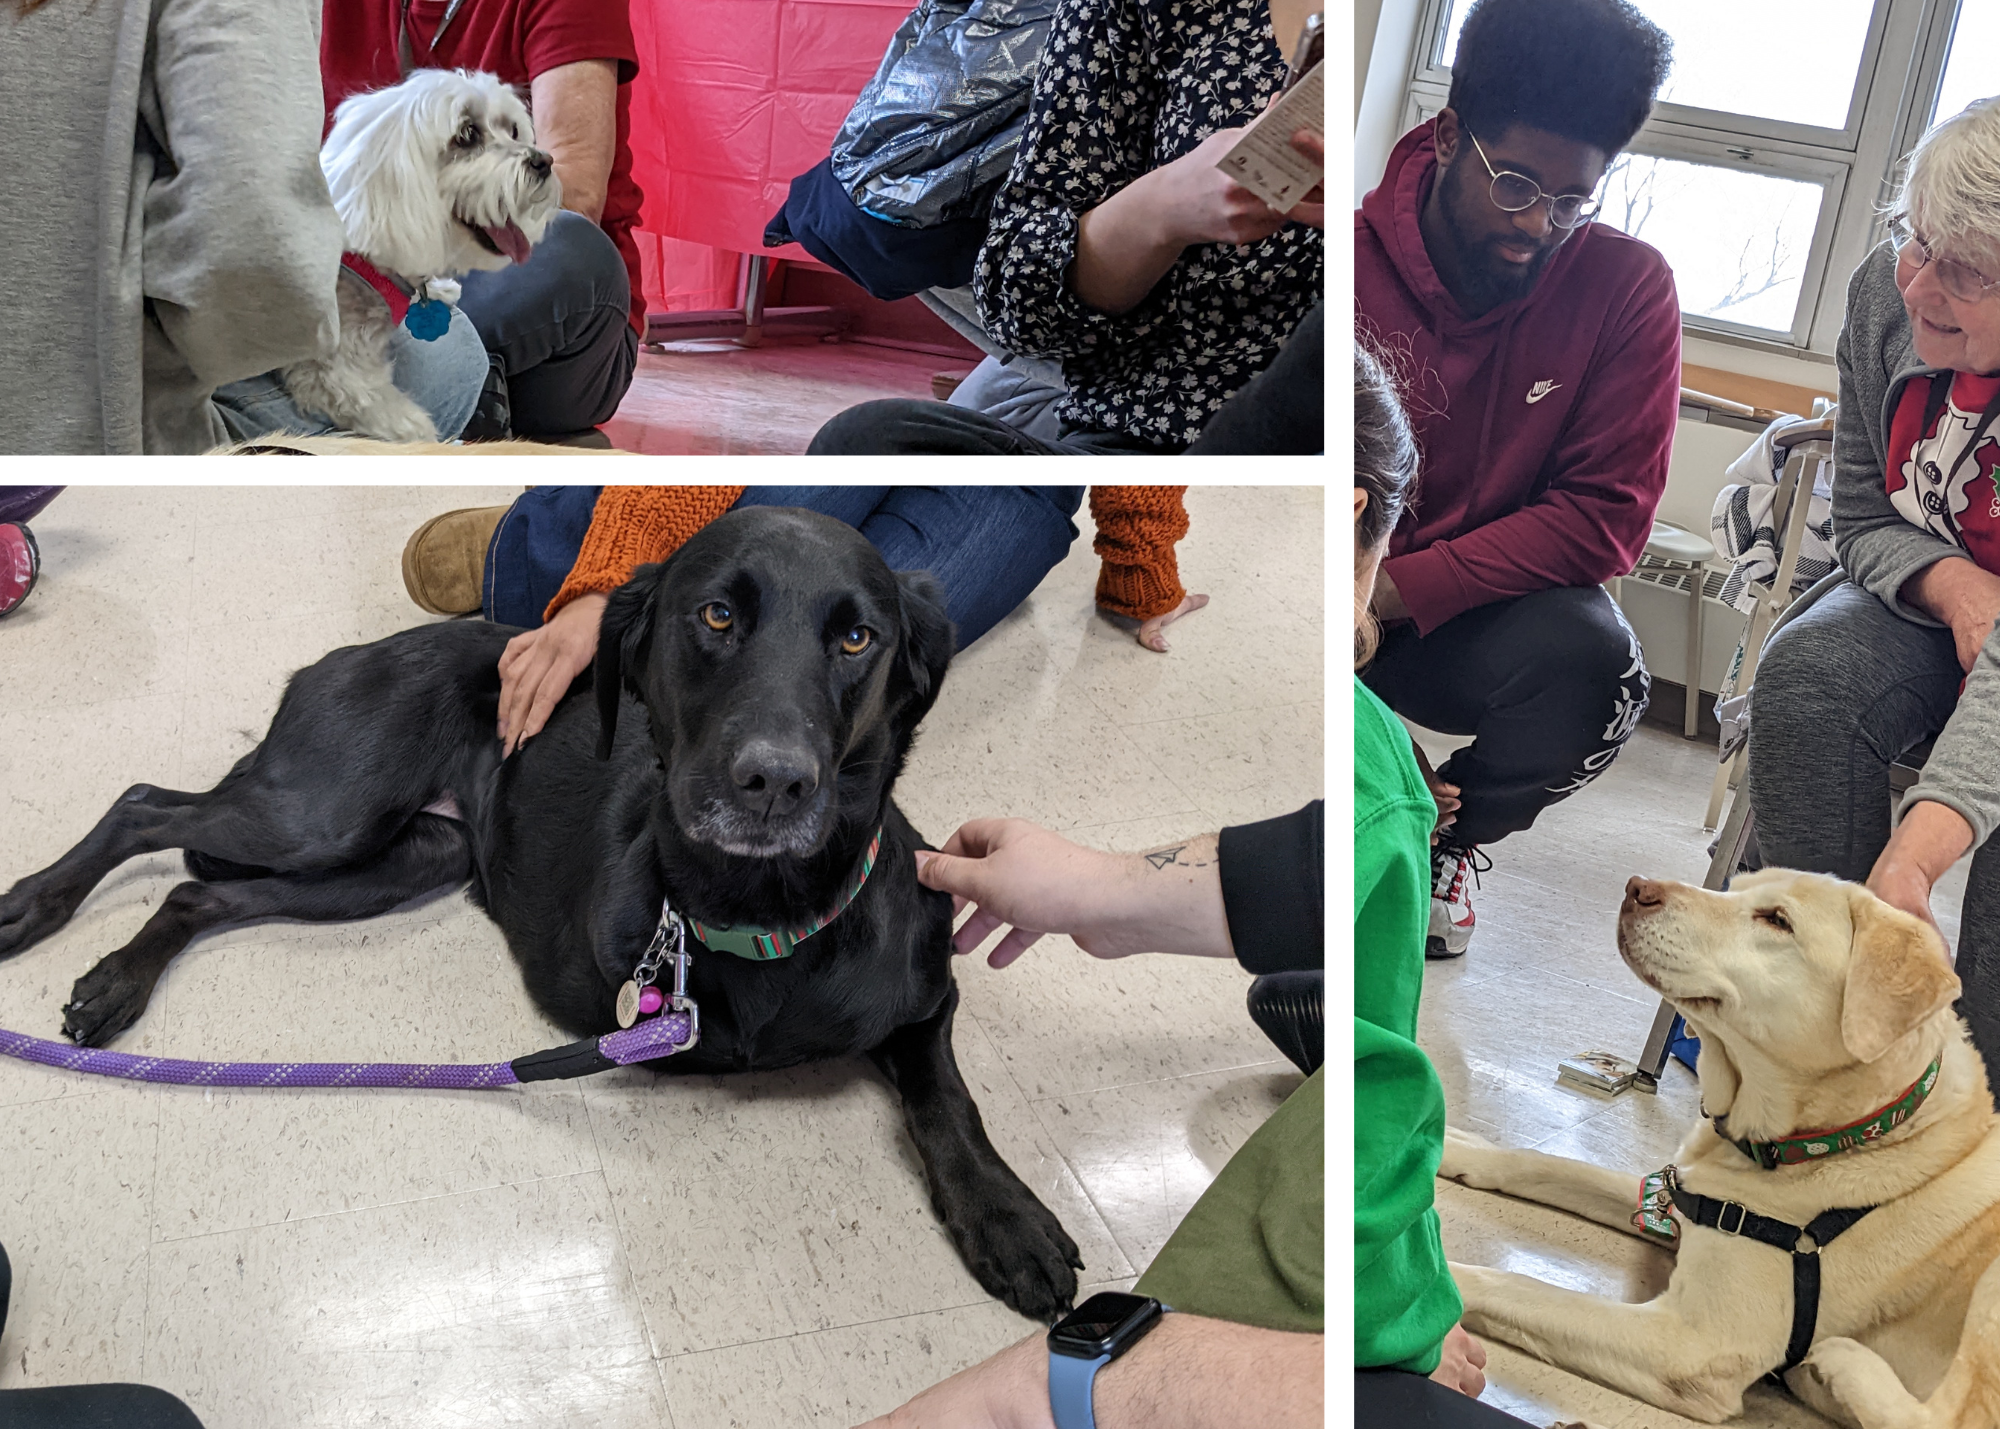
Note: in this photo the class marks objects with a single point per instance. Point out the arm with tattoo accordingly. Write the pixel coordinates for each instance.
(1167, 900)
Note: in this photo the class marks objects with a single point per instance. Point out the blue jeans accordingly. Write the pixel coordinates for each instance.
(560, 326)
(988, 546)
(443, 377)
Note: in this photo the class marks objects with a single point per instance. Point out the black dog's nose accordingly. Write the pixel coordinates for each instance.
(539, 163)
(772, 780)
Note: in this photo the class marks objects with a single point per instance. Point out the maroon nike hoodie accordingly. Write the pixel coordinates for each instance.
(1545, 424)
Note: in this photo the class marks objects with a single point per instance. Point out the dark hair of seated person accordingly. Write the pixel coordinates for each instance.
(1385, 466)
(1586, 70)
(1385, 449)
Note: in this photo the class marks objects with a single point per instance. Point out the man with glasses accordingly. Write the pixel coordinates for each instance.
(1905, 650)
(1539, 357)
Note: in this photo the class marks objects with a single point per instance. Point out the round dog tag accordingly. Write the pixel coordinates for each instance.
(628, 1003)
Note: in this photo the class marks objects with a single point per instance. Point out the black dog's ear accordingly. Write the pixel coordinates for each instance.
(623, 635)
(927, 644)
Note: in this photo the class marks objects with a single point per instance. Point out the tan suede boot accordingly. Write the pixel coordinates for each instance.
(444, 563)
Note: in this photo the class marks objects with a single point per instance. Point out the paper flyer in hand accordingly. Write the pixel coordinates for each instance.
(1264, 161)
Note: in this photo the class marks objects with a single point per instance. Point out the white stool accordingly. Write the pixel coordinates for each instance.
(1672, 551)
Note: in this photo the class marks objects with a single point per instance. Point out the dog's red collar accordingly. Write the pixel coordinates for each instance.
(392, 293)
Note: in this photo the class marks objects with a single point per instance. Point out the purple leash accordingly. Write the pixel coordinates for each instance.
(659, 1037)
(675, 1030)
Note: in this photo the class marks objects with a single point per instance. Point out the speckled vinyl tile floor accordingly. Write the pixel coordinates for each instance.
(727, 1253)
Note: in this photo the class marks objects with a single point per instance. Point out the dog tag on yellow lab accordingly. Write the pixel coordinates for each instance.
(628, 1003)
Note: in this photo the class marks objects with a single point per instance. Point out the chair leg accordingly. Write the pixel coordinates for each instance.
(1725, 780)
(1729, 847)
(1653, 1060)
(1691, 717)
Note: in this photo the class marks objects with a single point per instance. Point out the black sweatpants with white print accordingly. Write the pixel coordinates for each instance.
(1550, 686)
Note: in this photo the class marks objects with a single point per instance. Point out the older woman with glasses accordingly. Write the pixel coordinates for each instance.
(1906, 650)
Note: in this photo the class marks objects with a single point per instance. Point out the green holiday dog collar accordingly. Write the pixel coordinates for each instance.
(766, 944)
(1818, 1145)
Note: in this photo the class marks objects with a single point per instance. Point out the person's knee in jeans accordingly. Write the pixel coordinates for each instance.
(559, 330)
(896, 425)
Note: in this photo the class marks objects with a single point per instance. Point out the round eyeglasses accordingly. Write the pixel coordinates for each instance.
(1960, 280)
(1513, 193)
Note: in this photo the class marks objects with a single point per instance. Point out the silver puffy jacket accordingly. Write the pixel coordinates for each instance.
(936, 129)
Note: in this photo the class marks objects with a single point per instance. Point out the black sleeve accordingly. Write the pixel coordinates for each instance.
(1274, 890)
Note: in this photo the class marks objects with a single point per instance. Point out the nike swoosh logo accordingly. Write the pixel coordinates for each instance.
(1540, 390)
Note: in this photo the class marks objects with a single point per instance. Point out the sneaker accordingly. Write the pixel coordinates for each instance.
(20, 564)
(492, 419)
(444, 563)
(1454, 874)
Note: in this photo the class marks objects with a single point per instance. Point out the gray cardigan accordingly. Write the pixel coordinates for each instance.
(1881, 550)
(166, 225)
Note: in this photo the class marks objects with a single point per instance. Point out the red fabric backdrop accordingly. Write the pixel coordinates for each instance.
(736, 98)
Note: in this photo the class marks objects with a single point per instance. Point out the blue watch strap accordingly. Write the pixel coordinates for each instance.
(1070, 1380)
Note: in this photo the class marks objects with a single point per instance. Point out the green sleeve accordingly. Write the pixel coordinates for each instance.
(1253, 1249)
(1404, 1299)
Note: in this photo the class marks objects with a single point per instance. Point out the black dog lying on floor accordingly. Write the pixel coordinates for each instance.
(756, 696)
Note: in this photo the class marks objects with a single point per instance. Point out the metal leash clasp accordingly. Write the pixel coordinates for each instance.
(640, 996)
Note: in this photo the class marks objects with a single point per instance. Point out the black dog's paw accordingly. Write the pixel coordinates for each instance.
(29, 912)
(104, 1002)
(1018, 1251)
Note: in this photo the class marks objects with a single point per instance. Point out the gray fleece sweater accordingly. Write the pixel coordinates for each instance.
(1881, 550)
(166, 225)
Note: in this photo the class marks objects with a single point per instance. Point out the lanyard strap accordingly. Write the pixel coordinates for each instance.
(404, 58)
(1934, 403)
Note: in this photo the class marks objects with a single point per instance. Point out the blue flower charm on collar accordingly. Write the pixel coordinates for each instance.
(428, 319)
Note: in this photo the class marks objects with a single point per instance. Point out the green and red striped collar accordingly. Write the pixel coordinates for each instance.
(767, 944)
(1818, 1145)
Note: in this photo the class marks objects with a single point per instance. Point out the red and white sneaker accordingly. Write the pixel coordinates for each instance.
(1454, 874)
(20, 564)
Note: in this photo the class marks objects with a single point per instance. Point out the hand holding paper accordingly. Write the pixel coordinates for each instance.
(1264, 159)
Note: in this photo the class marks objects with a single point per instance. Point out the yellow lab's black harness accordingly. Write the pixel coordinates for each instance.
(1803, 1243)
(1661, 1195)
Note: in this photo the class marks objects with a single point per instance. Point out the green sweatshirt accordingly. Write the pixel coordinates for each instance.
(1404, 1299)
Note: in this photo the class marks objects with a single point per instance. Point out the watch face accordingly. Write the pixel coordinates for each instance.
(1106, 1323)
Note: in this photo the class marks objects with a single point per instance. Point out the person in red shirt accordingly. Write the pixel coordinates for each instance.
(562, 330)
(1539, 356)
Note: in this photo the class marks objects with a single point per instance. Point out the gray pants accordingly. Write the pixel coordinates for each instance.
(1843, 690)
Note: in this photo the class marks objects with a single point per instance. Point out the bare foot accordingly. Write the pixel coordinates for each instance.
(1149, 631)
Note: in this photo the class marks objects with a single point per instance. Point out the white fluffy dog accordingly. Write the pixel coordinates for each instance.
(435, 177)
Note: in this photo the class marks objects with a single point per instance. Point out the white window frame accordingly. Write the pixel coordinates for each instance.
(1896, 84)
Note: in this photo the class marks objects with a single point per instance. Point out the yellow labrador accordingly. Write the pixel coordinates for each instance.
(1829, 1050)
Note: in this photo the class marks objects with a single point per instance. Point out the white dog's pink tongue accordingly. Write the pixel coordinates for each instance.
(511, 241)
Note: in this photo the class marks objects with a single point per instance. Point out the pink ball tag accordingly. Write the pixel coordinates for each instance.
(650, 1001)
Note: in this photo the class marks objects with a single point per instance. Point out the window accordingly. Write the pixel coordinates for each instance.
(1762, 173)
(1968, 73)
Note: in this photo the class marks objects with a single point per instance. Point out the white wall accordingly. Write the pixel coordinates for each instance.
(1382, 95)
(1701, 452)
(1367, 14)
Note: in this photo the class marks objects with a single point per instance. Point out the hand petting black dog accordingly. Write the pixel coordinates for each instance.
(755, 698)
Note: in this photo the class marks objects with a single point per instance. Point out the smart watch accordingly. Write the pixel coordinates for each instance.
(1085, 1341)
